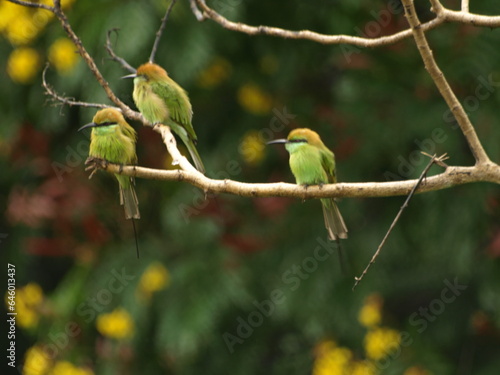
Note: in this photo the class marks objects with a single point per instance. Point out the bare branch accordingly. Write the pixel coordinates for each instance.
(61, 16)
(32, 5)
(484, 170)
(465, 5)
(310, 35)
(114, 56)
(464, 16)
(160, 31)
(58, 99)
(405, 204)
(194, 8)
(171, 144)
(442, 84)
(453, 176)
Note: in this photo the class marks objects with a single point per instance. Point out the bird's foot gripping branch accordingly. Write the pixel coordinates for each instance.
(94, 164)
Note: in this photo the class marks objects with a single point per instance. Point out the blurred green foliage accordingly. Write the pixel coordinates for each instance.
(223, 258)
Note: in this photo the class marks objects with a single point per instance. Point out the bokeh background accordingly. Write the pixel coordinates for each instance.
(238, 285)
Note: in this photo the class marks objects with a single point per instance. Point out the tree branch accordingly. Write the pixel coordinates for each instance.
(114, 56)
(400, 212)
(160, 32)
(309, 35)
(465, 5)
(29, 4)
(171, 144)
(452, 176)
(194, 8)
(442, 84)
(58, 99)
(61, 16)
(464, 16)
(484, 170)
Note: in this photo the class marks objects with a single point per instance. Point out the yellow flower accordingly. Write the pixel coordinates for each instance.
(23, 64)
(253, 99)
(42, 17)
(370, 314)
(10, 12)
(154, 278)
(36, 362)
(21, 24)
(62, 54)
(331, 359)
(62, 368)
(27, 302)
(252, 148)
(217, 72)
(65, 3)
(117, 324)
(363, 368)
(67, 368)
(22, 30)
(380, 341)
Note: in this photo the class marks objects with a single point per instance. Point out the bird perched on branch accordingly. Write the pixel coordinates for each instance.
(312, 163)
(161, 100)
(113, 140)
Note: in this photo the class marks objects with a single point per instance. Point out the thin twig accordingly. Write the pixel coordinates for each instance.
(442, 84)
(61, 16)
(61, 100)
(448, 15)
(160, 32)
(405, 204)
(113, 55)
(32, 5)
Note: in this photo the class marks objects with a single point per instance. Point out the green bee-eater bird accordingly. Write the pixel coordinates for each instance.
(113, 140)
(161, 100)
(312, 163)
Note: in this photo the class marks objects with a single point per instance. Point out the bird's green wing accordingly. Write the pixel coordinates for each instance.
(328, 163)
(177, 102)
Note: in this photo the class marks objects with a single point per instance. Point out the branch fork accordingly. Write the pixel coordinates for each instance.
(483, 171)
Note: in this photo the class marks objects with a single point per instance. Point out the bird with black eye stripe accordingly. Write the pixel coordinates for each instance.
(312, 163)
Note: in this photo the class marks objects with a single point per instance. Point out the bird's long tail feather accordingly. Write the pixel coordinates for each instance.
(334, 222)
(195, 156)
(135, 236)
(128, 199)
(188, 141)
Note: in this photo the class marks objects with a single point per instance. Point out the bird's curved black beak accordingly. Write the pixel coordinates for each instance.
(283, 140)
(133, 75)
(91, 125)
